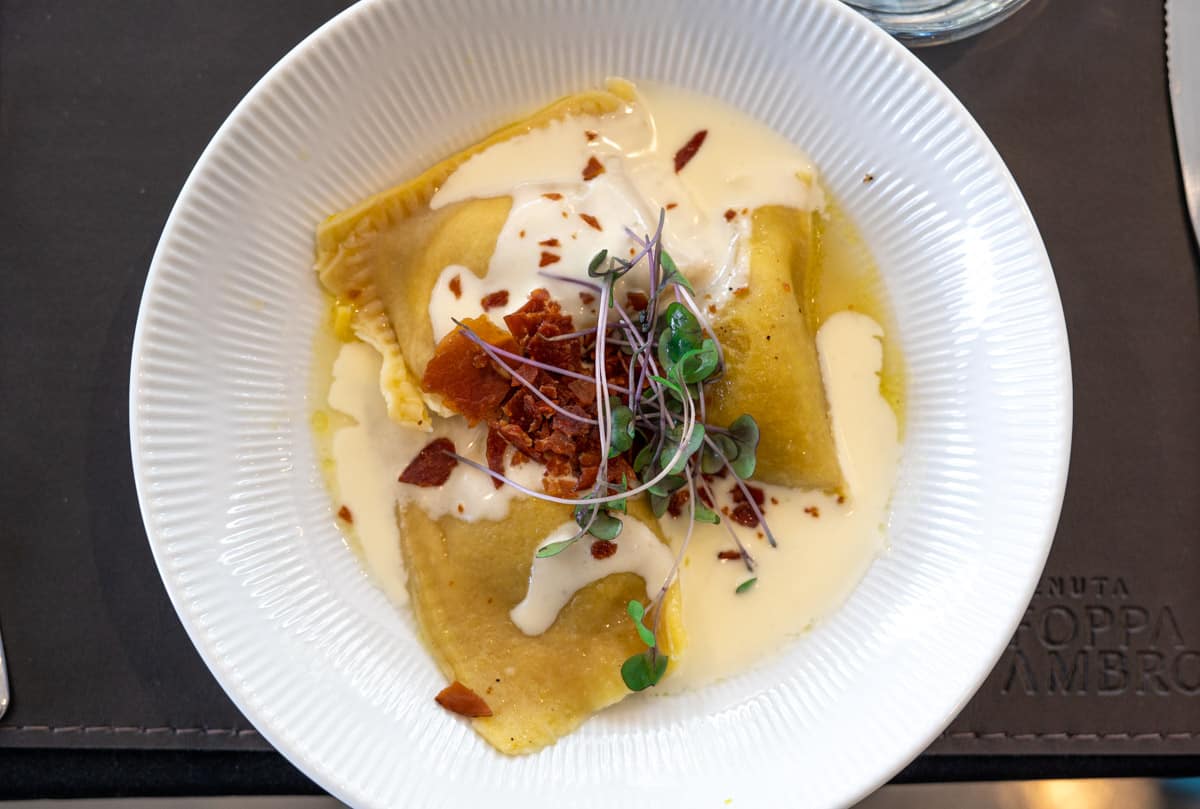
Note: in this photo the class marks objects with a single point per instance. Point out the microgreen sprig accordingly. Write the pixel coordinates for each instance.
(642, 670)
(657, 419)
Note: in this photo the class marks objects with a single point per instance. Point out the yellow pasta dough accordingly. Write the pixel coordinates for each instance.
(772, 371)
(465, 578)
(384, 254)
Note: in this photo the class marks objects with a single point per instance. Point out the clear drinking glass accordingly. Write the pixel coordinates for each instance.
(917, 23)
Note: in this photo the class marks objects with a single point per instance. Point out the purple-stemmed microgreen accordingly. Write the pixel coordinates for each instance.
(656, 420)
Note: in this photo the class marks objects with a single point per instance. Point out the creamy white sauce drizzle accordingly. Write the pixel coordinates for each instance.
(741, 165)
(820, 558)
(555, 579)
(370, 454)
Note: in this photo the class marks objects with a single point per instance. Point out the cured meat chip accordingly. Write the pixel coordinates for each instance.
(689, 149)
(463, 374)
(492, 300)
(461, 700)
(432, 466)
(603, 548)
(593, 169)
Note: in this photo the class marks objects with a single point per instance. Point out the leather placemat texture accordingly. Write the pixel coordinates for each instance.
(1074, 95)
(104, 107)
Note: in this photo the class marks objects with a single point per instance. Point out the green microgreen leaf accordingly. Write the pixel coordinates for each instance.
(619, 505)
(643, 670)
(671, 274)
(710, 461)
(659, 503)
(606, 526)
(603, 526)
(746, 585)
(675, 436)
(621, 427)
(744, 432)
(667, 263)
(643, 458)
(743, 465)
(698, 364)
(681, 321)
(674, 387)
(555, 548)
(681, 333)
(637, 611)
(668, 484)
(706, 514)
(675, 395)
(595, 264)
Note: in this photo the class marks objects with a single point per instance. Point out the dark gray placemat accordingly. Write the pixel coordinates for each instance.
(1074, 95)
(105, 106)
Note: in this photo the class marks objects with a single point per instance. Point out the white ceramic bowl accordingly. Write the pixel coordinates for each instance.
(240, 523)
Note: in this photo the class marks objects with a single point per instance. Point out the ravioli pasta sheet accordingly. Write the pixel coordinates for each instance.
(771, 356)
(384, 255)
(466, 577)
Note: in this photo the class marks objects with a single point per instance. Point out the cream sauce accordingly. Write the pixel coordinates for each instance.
(824, 546)
(741, 165)
(553, 580)
(370, 453)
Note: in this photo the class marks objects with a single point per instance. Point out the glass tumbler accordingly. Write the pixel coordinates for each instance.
(917, 23)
